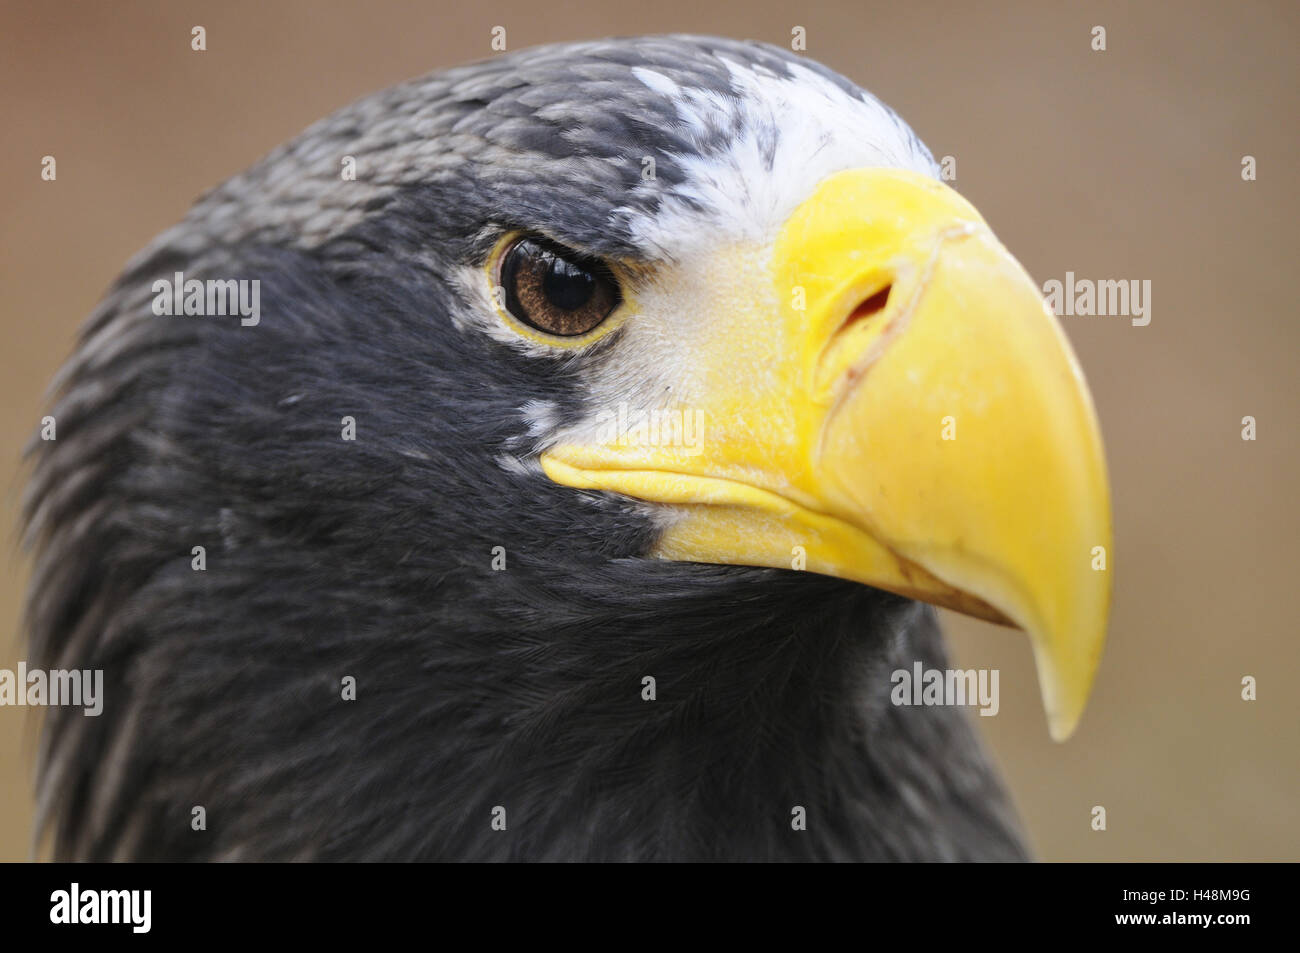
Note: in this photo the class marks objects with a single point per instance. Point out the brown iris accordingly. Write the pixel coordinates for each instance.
(556, 290)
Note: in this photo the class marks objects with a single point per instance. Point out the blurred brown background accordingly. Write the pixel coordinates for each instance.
(1116, 164)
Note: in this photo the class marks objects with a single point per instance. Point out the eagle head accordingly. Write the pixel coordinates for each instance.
(609, 413)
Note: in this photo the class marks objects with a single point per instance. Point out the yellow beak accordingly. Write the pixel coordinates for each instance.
(898, 407)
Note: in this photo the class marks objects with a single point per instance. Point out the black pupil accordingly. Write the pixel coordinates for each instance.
(567, 286)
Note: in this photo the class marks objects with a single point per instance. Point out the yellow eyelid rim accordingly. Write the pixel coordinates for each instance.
(625, 309)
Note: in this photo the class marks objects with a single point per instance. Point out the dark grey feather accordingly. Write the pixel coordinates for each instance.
(372, 558)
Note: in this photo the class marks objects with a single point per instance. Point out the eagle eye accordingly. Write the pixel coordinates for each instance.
(555, 290)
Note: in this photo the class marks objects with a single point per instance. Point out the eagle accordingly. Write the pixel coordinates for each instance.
(612, 418)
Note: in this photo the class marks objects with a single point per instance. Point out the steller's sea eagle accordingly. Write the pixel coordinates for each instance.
(569, 481)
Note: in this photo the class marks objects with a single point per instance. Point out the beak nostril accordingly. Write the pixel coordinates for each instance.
(869, 307)
(857, 342)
